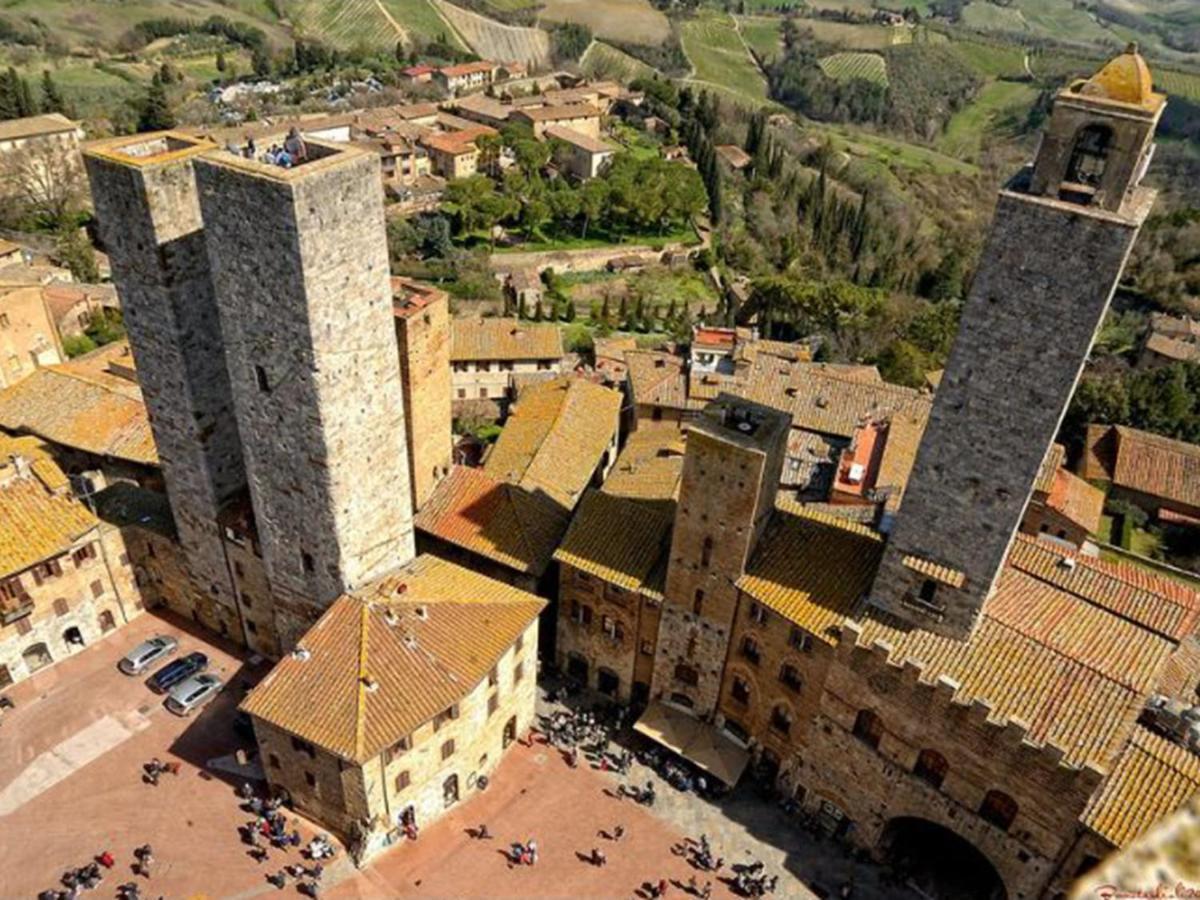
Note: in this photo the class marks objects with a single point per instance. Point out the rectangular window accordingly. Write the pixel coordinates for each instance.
(800, 640)
(483, 393)
(306, 560)
(397, 749)
(518, 672)
(647, 648)
(698, 602)
(97, 588)
(273, 760)
(493, 704)
(311, 779)
(447, 750)
(758, 614)
(462, 393)
(61, 607)
(302, 746)
(251, 627)
(260, 377)
(445, 716)
(687, 674)
(82, 555)
(493, 677)
(24, 626)
(402, 781)
(520, 644)
(238, 570)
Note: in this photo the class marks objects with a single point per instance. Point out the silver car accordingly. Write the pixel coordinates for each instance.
(187, 697)
(147, 653)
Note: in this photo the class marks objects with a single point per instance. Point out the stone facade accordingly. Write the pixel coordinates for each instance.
(301, 277)
(734, 456)
(606, 635)
(423, 334)
(1045, 279)
(414, 773)
(70, 600)
(146, 202)
(492, 379)
(29, 337)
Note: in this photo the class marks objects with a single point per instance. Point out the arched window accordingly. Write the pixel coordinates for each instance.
(789, 675)
(999, 809)
(740, 690)
(781, 720)
(931, 766)
(750, 650)
(1089, 157)
(706, 552)
(868, 728)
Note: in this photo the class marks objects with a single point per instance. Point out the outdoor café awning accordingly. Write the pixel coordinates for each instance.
(698, 742)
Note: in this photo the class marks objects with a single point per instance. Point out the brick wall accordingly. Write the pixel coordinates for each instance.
(589, 639)
(424, 343)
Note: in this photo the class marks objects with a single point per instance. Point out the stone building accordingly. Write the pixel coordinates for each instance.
(585, 155)
(422, 315)
(148, 211)
(29, 337)
(727, 492)
(1159, 474)
(300, 274)
(582, 118)
(400, 700)
(1062, 505)
(1082, 201)
(39, 159)
(486, 353)
(65, 576)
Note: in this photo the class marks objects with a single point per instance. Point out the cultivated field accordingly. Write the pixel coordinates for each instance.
(366, 23)
(605, 61)
(720, 59)
(992, 60)
(858, 37)
(1178, 84)
(996, 102)
(850, 66)
(491, 40)
(631, 21)
(762, 34)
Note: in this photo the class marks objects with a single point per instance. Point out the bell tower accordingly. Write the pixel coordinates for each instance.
(1062, 231)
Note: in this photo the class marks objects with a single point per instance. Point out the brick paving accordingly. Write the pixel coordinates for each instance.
(70, 786)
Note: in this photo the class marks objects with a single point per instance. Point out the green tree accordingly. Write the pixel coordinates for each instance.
(260, 62)
(155, 113)
(221, 63)
(593, 202)
(75, 252)
(52, 98)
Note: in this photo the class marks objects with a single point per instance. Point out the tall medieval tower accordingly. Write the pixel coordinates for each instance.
(144, 190)
(300, 266)
(1062, 232)
(735, 452)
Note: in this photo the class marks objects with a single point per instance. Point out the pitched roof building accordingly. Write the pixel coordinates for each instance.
(1157, 473)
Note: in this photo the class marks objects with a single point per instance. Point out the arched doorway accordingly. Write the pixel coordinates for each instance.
(510, 732)
(73, 637)
(37, 657)
(450, 791)
(943, 865)
(577, 667)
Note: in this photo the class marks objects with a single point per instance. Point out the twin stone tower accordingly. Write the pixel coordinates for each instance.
(259, 308)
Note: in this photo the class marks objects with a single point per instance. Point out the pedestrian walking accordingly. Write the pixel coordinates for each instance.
(533, 851)
(482, 833)
(707, 892)
(106, 859)
(618, 832)
(662, 888)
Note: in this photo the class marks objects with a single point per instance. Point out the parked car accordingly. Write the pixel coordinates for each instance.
(174, 672)
(187, 697)
(147, 653)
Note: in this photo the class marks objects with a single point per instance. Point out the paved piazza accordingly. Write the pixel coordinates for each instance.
(71, 787)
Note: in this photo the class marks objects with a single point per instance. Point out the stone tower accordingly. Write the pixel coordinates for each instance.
(300, 265)
(144, 190)
(422, 315)
(735, 452)
(1062, 231)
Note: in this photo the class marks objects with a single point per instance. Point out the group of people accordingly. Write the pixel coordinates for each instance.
(702, 856)
(291, 152)
(523, 854)
(749, 880)
(307, 878)
(90, 876)
(156, 767)
(271, 825)
(645, 796)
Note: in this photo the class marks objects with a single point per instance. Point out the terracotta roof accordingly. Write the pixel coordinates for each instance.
(904, 433)
(714, 337)
(483, 105)
(455, 143)
(61, 297)
(620, 540)
(658, 379)
(554, 438)
(1158, 466)
(558, 113)
(936, 571)
(97, 413)
(1151, 778)
(1050, 466)
(822, 400)
(504, 339)
(734, 155)
(812, 568)
(1173, 348)
(39, 517)
(468, 68)
(578, 139)
(1076, 500)
(410, 297)
(387, 658)
(1162, 605)
(499, 521)
(35, 126)
(649, 467)
(1175, 326)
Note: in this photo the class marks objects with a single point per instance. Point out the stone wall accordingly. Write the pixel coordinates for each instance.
(590, 640)
(149, 218)
(254, 597)
(300, 267)
(1044, 281)
(336, 798)
(424, 342)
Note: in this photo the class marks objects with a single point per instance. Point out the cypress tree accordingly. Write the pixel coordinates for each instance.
(52, 99)
(156, 114)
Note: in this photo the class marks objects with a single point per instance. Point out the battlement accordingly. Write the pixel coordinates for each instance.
(1010, 735)
(145, 150)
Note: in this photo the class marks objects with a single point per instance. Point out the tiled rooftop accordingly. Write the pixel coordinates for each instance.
(486, 339)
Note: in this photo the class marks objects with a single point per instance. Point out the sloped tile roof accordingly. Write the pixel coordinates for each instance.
(1076, 500)
(658, 379)
(1157, 466)
(812, 568)
(649, 467)
(389, 657)
(1150, 779)
(65, 406)
(1050, 465)
(39, 517)
(554, 438)
(618, 539)
(499, 521)
(503, 339)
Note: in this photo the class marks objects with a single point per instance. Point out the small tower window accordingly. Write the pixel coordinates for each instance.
(698, 602)
(928, 591)
(260, 376)
(706, 552)
(307, 561)
(1090, 155)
